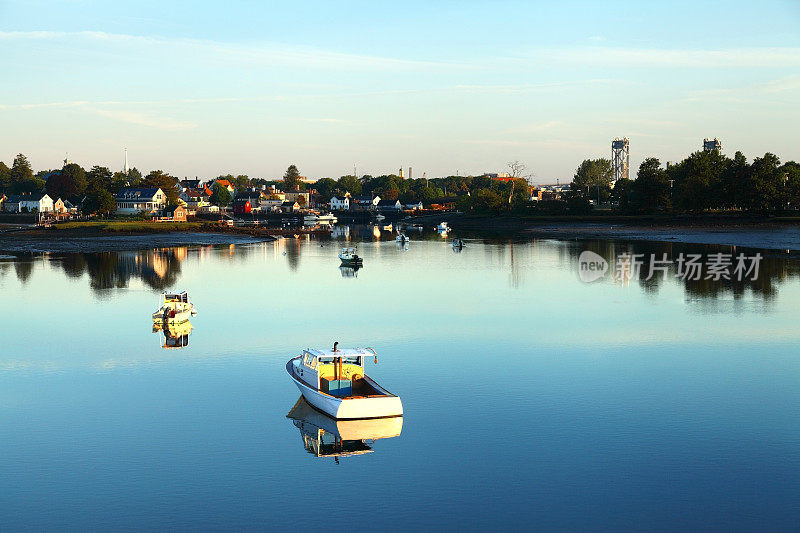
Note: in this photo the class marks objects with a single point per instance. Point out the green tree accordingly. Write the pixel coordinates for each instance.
(240, 182)
(70, 182)
(20, 173)
(119, 180)
(591, 174)
(326, 187)
(5, 177)
(291, 179)
(350, 184)
(165, 182)
(792, 172)
(767, 187)
(98, 201)
(220, 196)
(134, 177)
(651, 188)
(698, 181)
(622, 193)
(736, 182)
(99, 178)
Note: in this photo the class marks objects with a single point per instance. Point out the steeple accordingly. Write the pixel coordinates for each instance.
(126, 169)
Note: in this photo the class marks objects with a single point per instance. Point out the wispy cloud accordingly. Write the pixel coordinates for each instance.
(605, 56)
(143, 119)
(259, 53)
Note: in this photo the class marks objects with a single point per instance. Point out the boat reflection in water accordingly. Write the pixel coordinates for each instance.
(324, 436)
(349, 271)
(174, 335)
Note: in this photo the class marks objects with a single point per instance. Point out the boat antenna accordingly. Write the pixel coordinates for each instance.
(335, 344)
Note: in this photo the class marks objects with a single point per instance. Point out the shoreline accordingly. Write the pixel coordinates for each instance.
(771, 234)
(82, 241)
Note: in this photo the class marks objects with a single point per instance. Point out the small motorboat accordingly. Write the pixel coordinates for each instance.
(402, 238)
(334, 382)
(443, 227)
(349, 257)
(458, 243)
(175, 308)
(324, 436)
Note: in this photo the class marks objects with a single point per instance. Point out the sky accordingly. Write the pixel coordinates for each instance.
(207, 88)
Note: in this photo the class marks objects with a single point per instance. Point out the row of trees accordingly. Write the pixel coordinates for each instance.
(706, 180)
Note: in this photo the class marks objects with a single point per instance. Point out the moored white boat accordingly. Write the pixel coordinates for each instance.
(334, 382)
(402, 238)
(175, 307)
(349, 257)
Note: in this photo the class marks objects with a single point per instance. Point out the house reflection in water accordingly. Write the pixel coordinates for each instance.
(174, 335)
(324, 436)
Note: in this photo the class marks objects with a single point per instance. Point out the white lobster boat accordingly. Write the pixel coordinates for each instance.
(334, 382)
(175, 308)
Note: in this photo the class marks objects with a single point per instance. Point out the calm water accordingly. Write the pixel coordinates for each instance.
(532, 400)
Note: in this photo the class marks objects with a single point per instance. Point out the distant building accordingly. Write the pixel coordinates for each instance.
(365, 203)
(190, 184)
(301, 197)
(389, 205)
(242, 206)
(340, 204)
(414, 206)
(28, 203)
(133, 201)
(710, 145)
(225, 183)
(173, 213)
(290, 207)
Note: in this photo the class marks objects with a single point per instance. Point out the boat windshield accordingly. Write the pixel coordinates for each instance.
(347, 360)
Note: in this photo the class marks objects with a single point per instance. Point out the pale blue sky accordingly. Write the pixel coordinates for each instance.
(201, 88)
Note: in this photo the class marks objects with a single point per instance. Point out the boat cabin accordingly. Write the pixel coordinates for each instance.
(339, 373)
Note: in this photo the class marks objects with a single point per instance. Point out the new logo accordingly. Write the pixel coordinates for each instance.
(591, 266)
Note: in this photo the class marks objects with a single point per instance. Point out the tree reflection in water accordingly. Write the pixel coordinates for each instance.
(774, 268)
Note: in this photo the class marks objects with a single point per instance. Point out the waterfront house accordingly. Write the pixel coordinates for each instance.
(196, 199)
(226, 184)
(172, 213)
(290, 207)
(134, 200)
(365, 203)
(189, 184)
(414, 206)
(389, 205)
(271, 204)
(58, 206)
(242, 206)
(301, 197)
(340, 203)
(28, 203)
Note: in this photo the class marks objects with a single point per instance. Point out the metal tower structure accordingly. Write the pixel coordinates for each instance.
(709, 145)
(621, 158)
(126, 169)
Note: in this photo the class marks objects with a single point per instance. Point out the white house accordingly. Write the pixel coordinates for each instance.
(135, 200)
(389, 205)
(414, 206)
(340, 204)
(29, 203)
(365, 203)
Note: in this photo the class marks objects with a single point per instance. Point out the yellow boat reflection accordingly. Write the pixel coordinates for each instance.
(324, 436)
(174, 335)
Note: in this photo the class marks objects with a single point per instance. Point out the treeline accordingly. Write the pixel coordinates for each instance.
(704, 181)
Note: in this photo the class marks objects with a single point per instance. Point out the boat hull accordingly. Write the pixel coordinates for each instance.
(385, 406)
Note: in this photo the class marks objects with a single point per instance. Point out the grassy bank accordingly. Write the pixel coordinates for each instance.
(132, 226)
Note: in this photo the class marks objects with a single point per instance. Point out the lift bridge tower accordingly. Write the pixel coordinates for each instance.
(621, 158)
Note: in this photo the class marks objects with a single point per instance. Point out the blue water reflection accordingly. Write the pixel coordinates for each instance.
(532, 400)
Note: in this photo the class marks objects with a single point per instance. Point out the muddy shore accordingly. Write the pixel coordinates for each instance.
(763, 234)
(69, 241)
